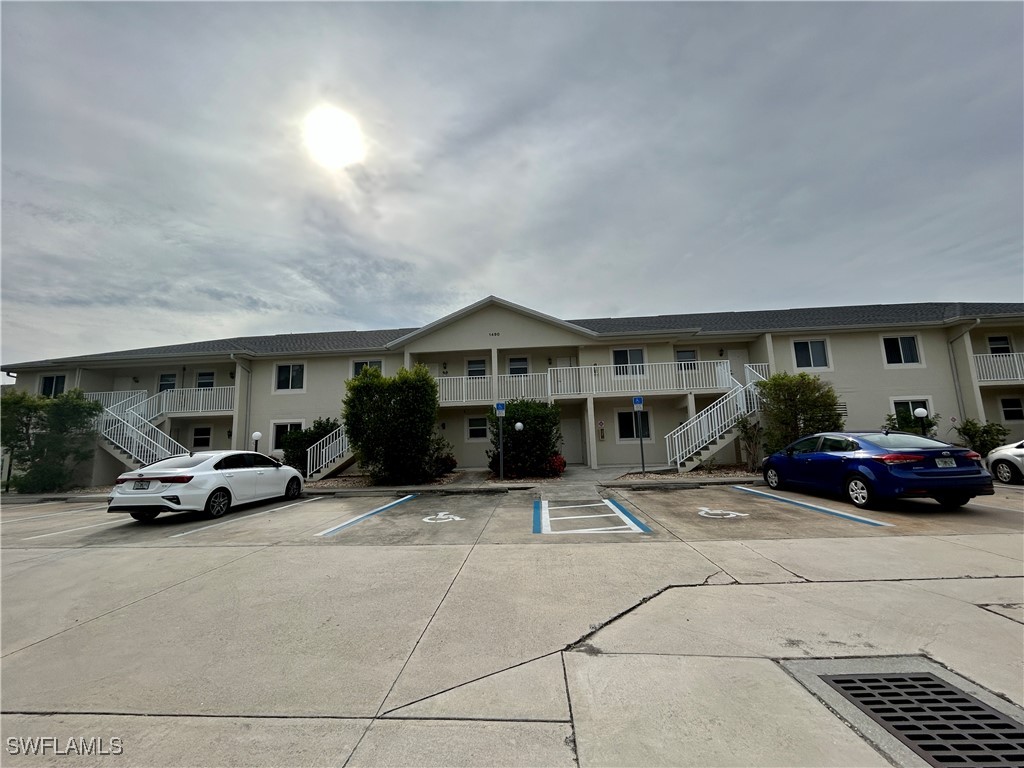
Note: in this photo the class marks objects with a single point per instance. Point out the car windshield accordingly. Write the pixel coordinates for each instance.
(179, 462)
(903, 440)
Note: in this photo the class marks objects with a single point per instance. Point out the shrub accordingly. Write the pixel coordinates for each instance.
(981, 437)
(532, 452)
(904, 421)
(296, 444)
(794, 406)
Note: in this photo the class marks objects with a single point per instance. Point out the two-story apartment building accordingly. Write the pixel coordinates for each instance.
(694, 373)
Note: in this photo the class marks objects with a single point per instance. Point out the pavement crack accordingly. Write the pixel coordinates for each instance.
(780, 565)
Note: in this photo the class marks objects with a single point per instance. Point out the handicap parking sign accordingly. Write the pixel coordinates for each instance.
(638, 403)
(500, 408)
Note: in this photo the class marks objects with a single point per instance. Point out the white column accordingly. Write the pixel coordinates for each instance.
(494, 374)
(591, 434)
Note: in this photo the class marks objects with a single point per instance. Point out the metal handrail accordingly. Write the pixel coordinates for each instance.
(682, 376)
(1000, 367)
(141, 445)
(326, 451)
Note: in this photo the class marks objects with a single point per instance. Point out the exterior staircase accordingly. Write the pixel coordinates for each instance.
(710, 430)
(128, 435)
(329, 455)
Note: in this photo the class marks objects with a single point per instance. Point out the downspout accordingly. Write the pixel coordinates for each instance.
(956, 373)
(248, 397)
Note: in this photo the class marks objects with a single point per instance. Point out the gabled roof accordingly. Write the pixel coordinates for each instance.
(710, 323)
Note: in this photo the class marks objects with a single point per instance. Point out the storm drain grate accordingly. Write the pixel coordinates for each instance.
(941, 723)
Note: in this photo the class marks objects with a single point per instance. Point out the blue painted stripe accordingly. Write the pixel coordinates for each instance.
(625, 513)
(816, 508)
(536, 516)
(371, 513)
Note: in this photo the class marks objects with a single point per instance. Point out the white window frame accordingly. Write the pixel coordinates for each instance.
(642, 365)
(193, 437)
(508, 364)
(812, 367)
(619, 439)
(44, 376)
(213, 379)
(926, 399)
(305, 378)
(273, 431)
(377, 363)
(917, 342)
(1002, 409)
(686, 365)
(1009, 344)
(487, 431)
(159, 383)
(476, 359)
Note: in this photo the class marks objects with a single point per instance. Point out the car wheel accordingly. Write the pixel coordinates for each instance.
(293, 488)
(772, 477)
(218, 503)
(953, 500)
(1005, 472)
(858, 491)
(145, 515)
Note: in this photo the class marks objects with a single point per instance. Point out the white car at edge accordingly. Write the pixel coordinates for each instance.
(203, 481)
(1006, 463)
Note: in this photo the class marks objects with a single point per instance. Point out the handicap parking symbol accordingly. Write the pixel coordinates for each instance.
(719, 513)
(441, 517)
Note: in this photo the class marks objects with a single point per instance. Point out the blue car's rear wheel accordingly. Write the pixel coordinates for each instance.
(858, 491)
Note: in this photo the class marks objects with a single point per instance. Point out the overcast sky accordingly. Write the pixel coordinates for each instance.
(584, 160)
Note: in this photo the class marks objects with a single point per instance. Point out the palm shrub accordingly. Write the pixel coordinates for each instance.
(534, 452)
(796, 405)
(906, 421)
(981, 437)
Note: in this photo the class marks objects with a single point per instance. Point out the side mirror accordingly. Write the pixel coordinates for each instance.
(789, 451)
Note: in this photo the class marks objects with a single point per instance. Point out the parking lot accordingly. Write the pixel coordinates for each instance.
(466, 628)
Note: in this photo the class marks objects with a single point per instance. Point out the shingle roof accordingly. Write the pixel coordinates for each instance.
(797, 319)
(757, 321)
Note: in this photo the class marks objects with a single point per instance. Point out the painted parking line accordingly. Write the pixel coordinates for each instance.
(542, 518)
(239, 519)
(53, 514)
(333, 530)
(815, 507)
(71, 530)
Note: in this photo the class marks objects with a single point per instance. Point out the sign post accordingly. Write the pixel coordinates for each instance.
(638, 407)
(499, 407)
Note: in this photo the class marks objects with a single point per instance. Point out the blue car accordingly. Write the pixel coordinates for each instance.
(870, 467)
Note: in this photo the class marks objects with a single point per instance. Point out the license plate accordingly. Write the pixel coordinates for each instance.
(141, 485)
(945, 462)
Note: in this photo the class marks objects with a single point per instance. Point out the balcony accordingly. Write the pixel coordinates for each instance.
(205, 400)
(1000, 368)
(642, 378)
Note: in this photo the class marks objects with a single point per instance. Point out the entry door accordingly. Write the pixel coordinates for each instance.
(737, 359)
(567, 382)
(572, 441)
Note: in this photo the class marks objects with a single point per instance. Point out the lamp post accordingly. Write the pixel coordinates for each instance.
(922, 414)
(256, 440)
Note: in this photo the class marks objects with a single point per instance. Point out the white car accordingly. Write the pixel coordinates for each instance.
(210, 481)
(1006, 463)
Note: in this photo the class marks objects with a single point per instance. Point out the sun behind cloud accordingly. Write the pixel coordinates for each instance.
(333, 137)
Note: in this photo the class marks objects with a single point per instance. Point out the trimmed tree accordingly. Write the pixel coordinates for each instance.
(534, 452)
(390, 423)
(20, 416)
(796, 405)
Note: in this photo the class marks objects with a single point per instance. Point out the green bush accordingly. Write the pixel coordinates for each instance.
(907, 422)
(534, 452)
(796, 405)
(297, 443)
(390, 423)
(981, 437)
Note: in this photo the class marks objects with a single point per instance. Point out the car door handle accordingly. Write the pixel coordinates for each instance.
(229, 474)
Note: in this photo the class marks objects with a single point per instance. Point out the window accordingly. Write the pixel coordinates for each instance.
(687, 359)
(204, 379)
(811, 354)
(999, 345)
(518, 366)
(476, 367)
(358, 365)
(234, 461)
(628, 362)
(900, 350)
(167, 381)
(904, 409)
(1013, 408)
(202, 437)
(280, 430)
(627, 424)
(476, 428)
(805, 445)
(291, 376)
(51, 386)
(838, 445)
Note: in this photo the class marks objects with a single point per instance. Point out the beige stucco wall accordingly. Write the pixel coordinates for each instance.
(991, 397)
(495, 327)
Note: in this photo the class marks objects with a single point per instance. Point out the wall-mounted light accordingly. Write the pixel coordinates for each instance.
(721, 353)
(135, 379)
(229, 434)
(232, 374)
(442, 425)
(549, 361)
(444, 367)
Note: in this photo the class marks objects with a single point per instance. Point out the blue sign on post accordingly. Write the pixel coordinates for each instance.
(638, 403)
(500, 408)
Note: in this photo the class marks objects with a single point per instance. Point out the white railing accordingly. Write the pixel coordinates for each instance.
(755, 372)
(199, 399)
(464, 389)
(117, 401)
(525, 386)
(1008, 367)
(326, 451)
(640, 377)
(140, 440)
(150, 408)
